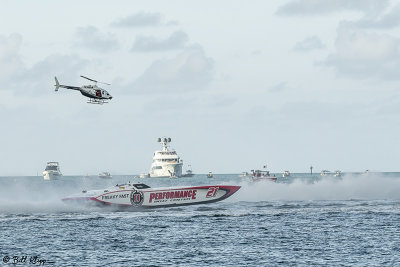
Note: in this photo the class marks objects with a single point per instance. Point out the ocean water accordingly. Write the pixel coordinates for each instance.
(303, 220)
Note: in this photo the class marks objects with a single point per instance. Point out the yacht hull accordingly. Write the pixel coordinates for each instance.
(167, 171)
(51, 175)
(130, 197)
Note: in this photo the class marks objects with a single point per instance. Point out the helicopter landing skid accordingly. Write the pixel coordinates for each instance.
(96, 101)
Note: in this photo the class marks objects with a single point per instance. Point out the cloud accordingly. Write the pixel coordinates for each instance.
(308, 44)
(90, 37)
(362, 54)
(141, 19)
(40, 78)
(278, 87)
(388, 20)
(16, 77)
(176, 40)
(190, 70)
(256, 52)
(315, 7)
(11, 64)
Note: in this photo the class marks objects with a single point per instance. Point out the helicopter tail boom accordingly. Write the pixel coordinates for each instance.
(58, 85)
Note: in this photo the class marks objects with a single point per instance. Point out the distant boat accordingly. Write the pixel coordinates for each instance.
(367, 172)
(258, 175)
(105, 175)
(244, 175)
(325, 173)
(210, 175)
(189, 172)
(338, 173)
(144, 175)
(52, 171)
(286, 174)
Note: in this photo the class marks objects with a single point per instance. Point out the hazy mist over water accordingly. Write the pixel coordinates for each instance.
(236, 85)
(302, 220)
(33, 194)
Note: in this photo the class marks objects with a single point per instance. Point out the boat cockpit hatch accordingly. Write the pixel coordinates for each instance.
(141, 186)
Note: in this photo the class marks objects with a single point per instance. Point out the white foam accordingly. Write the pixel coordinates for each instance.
(368, 187)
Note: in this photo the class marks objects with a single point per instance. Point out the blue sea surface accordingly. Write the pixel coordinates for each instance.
(303, 220)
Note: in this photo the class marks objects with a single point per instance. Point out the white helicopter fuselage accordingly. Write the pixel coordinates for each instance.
(93, 91)
(96, 94)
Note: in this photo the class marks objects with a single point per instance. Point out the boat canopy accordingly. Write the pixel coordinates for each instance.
(51, 168)
(141, 186)
(137, 186)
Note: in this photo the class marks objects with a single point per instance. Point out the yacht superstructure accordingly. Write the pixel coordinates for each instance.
(166, 162)
(52, 171)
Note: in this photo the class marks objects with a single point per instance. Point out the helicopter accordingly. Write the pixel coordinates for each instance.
(96, 94)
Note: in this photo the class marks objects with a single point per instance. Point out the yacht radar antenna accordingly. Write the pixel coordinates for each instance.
(164, 141)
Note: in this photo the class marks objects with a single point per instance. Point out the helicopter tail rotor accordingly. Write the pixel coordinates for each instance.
(57, 85)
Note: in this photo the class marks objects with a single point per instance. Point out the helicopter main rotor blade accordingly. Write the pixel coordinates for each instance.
(94, 80)
(104, 83)
(89, 79)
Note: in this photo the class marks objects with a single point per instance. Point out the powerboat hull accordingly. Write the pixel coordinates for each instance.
(142, 196)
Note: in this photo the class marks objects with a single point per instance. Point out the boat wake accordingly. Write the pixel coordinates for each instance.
(22, 197)
(25, 196)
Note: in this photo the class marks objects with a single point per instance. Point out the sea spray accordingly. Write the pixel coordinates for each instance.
(349, 186)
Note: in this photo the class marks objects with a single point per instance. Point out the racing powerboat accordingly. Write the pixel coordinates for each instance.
(138, 195)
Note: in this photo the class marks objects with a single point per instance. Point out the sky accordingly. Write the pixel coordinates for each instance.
(236, 85)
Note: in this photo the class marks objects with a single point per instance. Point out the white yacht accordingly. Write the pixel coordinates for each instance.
(52, 171)
(166, 163)
(286, 174)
